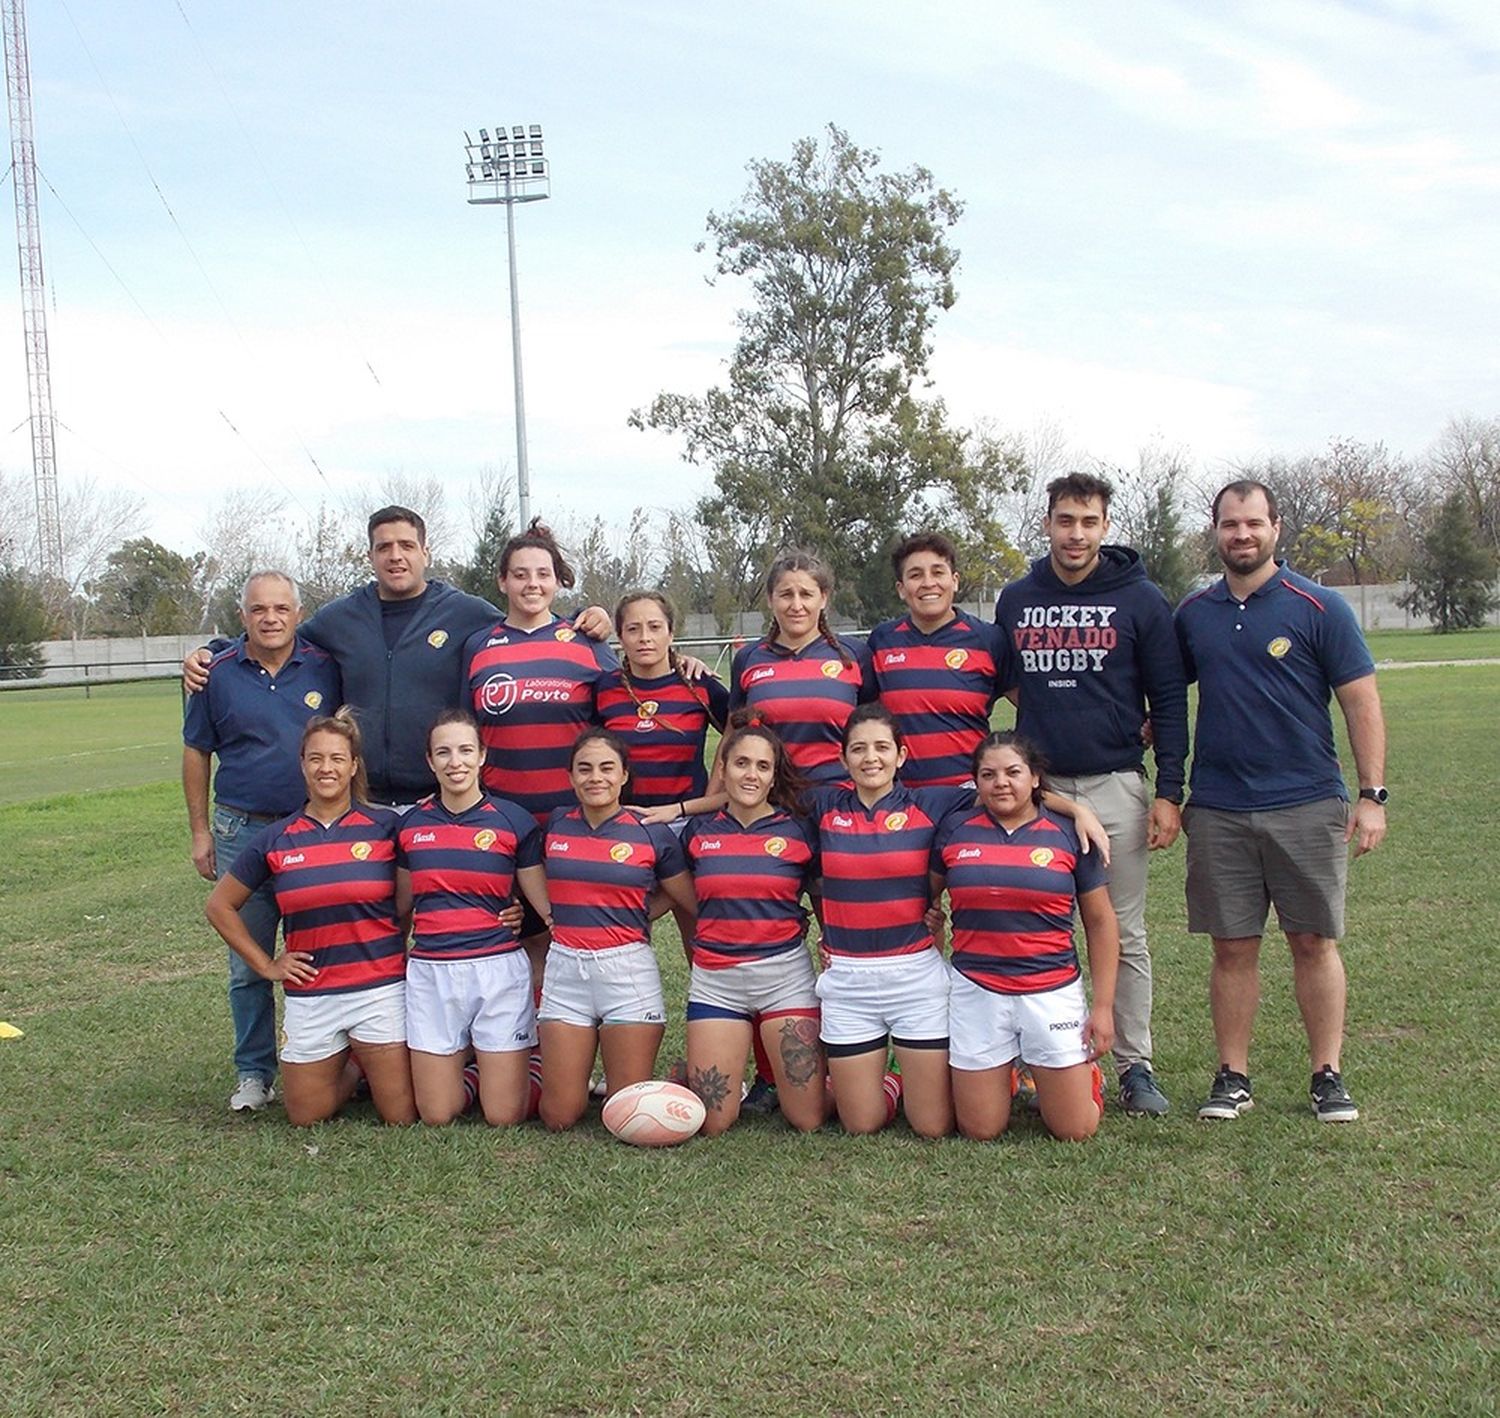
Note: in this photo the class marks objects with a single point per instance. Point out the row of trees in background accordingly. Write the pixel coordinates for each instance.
(824, 435)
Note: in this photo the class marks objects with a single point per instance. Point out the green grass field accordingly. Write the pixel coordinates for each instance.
(160, 1256)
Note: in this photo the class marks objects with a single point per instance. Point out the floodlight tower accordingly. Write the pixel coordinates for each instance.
(510, 168)
(33, 291)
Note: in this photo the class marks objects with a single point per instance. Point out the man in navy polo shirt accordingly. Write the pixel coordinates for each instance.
(260, 693)
(1268, 820)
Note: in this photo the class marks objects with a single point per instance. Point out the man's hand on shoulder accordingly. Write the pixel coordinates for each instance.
(195, 669)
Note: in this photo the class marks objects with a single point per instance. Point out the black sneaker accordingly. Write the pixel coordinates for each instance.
(760, 1098)
(1229, 1096)
(1330, 1099)
(1140, 1094)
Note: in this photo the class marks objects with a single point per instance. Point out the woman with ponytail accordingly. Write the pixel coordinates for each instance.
(664, 715)
(804, 680)
(332, 867)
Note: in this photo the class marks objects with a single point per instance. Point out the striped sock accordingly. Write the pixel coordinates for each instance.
(471, 1085)
(891, 1083)
(534, 1073)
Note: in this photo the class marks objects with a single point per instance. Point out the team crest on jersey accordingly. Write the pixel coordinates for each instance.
(621, 852)
(484, 840)
(775, 846)
(438, 639)
(646, 709)
(498, 693)
(832, 669)
(1278, 647)
(1042, 856)
(359, 850)
(956, 659)
(313, 699)
(895, 821)
(565, 634)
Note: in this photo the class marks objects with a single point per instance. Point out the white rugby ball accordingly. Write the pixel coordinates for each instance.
(654, 1113)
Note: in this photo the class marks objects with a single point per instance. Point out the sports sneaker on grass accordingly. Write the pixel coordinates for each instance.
(1023, 1089)
(1330, 1099)
(761, 1098)
(1140, 1095)
(251, 1094)
(1229, 1096)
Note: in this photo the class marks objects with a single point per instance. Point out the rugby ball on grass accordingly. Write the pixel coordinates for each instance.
(654, 1113)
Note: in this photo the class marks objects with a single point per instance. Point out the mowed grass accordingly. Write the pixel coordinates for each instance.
(159, 1255)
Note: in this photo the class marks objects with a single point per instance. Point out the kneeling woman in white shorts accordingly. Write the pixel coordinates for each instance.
(332, 867)
(601, 989)
(751, 863)
(462, 854)
(1013, 871)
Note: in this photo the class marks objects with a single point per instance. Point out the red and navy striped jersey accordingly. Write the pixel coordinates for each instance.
(874, 866)
(1013, 895)
(533, 694)
(941, 688)
(336, 890)
(749, 882)
(463, 868)
(599, 878)
(806, 695)
(666, 724)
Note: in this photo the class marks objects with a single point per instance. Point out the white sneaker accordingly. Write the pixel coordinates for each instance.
(599, 1088)
(251, 1095)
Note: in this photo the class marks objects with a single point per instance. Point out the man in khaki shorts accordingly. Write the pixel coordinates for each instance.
(1268, 820)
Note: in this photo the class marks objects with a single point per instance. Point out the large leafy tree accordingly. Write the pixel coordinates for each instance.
(820, 437)
(24, 624)
(1453, 569)
(149, 589)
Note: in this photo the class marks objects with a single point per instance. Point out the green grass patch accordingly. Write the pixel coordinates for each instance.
(158, 1255)
(1480, 644)
(55, 741)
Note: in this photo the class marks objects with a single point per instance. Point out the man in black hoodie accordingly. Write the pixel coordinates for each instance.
(1090, 654)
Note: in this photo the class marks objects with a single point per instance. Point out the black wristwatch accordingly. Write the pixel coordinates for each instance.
(1378, 796)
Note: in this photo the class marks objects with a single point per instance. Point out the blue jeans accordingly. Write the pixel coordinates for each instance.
(252, 1001)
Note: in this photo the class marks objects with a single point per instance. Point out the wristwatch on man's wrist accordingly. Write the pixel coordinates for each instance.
(1379, 796)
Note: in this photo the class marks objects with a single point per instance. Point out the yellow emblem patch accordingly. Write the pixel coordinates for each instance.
(312, 699)
(360, 850)
(646, 709)
(484, 840)
(438, 639)
(565, 633)
(621, 852)
(895, 821)
(956, 659)
(1278, 647)
(1042, 856)
(775, 846)
(832, 669)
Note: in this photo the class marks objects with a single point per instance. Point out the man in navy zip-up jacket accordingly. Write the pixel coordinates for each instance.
(1089, 654)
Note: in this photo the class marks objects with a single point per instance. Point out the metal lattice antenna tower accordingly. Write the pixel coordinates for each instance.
(33, 290)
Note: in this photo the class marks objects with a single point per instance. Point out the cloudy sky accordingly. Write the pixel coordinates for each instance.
(1233, 228)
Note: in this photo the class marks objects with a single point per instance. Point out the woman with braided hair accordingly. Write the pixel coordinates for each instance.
(804, 680)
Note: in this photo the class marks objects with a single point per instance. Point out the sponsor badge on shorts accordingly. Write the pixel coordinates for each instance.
(565, 633)
(832, 669)
(484, 840)
(1042, 856)
(895, 821)
(775, 846)
(621, 852)
(313, 699)
(1278, 647)
(359, 850)
(956, 659)
(438, 639)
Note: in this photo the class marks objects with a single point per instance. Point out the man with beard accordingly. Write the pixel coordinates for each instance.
(1268, 817)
